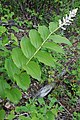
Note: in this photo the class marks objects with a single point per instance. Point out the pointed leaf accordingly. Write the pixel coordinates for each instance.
(27, 48)
(13, 37)
(45, 58)
(53, 46)
(52, 26)
(14, 95)
(60, 39)
(15, 28)
(18, 57)
(44, 32)
(23, 80)
(11, 68)
(35, 38)
(33, 69)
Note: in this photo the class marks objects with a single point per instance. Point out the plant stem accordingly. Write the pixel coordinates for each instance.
(65, 108)
(42, 44)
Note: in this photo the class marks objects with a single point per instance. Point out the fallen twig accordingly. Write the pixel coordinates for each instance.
(65, 108)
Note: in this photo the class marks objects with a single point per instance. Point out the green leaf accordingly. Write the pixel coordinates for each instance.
(11, 68)
(33, 69)
(24, 118)
(14, 95)
(15, 28)
(13, 37)
(41, 101)
(35, 38)
(27, 48)
(23, 80)
(18, 57)
(60, 39)
(2, 30)
(78, 91)
(52, 26)
(45, 58)
(21, 109)
(3, 86)
(55, 111)
(50, 115)
(53, 46)
(34, 117)
(44, 32)
(52, 101)
(5, 40)
(2, 114)
(11, 115)
(3, 19)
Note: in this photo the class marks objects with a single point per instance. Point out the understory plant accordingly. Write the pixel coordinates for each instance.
(24, 61)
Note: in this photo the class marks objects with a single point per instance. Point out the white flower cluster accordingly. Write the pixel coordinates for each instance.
(68, 19)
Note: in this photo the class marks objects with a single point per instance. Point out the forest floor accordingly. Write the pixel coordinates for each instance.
(67, 77)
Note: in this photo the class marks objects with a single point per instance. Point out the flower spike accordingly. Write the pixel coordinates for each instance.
(68, 19)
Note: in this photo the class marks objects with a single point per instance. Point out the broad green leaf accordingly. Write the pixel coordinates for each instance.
(33, 69)
(35, 38)
(27, 48)
(45, 58)
(14, 95)
(2, 114)
(18, 57)
(54, 46)
(22, 80)
(3, 86)
(13, 37)
(60, 39)
(15, 28)
(44, 32)
(11, 68)
(52, 26)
